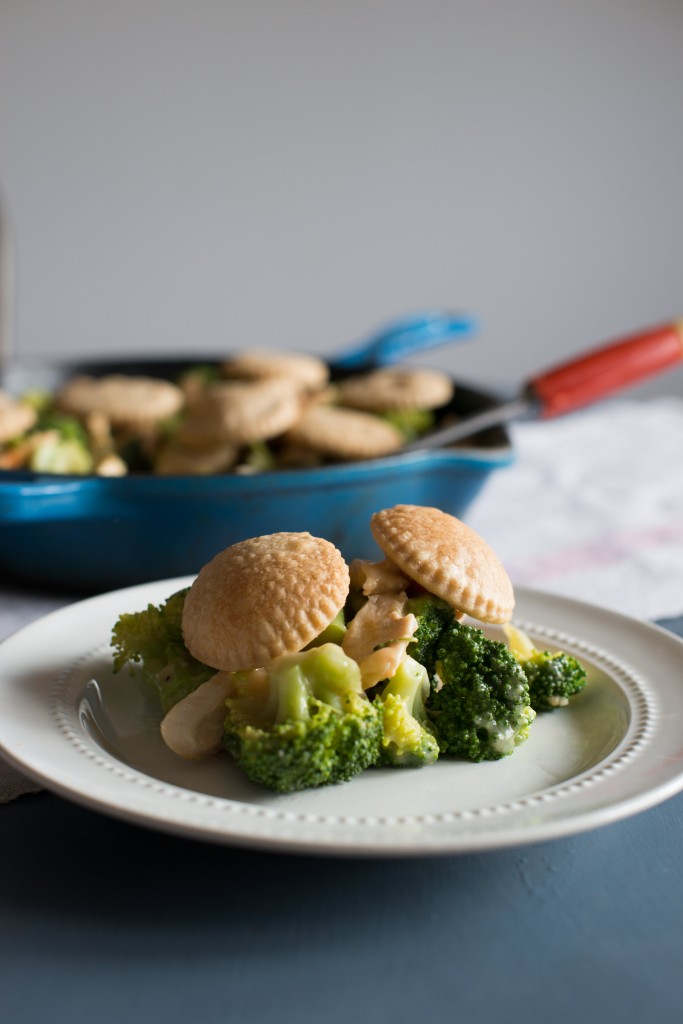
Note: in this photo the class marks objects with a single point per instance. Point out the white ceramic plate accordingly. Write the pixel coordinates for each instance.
(69, 723)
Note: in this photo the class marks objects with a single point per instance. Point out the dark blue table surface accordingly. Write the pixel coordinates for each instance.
(107, 922)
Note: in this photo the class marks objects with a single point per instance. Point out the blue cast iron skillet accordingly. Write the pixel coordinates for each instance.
(92, 534)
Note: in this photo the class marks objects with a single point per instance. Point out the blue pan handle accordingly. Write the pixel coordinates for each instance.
(404, 336)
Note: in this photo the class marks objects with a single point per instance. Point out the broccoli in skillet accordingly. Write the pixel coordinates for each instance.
(553, 678)
(302, 721)
(58, 443)
(153, 639)
(479, 701)
(56, 453)
(412, 423)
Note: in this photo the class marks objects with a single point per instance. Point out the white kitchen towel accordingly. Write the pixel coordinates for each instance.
(593, 507)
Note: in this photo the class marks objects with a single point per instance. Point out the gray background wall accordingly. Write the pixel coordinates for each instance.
(225, 173)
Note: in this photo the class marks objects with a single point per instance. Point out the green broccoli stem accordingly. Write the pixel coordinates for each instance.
(408, 740)
(411, 684)
(293, 692)
(324, 673)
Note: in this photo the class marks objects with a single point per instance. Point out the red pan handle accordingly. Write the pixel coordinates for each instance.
(609, 368)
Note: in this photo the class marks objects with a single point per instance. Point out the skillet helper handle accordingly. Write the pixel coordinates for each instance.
(604, 370)
(405, 336)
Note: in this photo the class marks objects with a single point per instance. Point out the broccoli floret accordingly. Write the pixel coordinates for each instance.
(39, 399)
(303, 721)
(60, 441)
(553, 677)
(479, 700)
(433, 616)
(479, 703)
(68, 427)
(55, 454)
(412, 423)
(153, 639)
(407, 737)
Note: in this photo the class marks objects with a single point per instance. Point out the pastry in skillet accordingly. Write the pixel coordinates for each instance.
(128, 402)
(307, 372)
(396, 388)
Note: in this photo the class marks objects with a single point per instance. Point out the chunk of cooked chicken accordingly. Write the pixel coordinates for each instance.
(378, 636)
(193, 728)
(383, 577)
